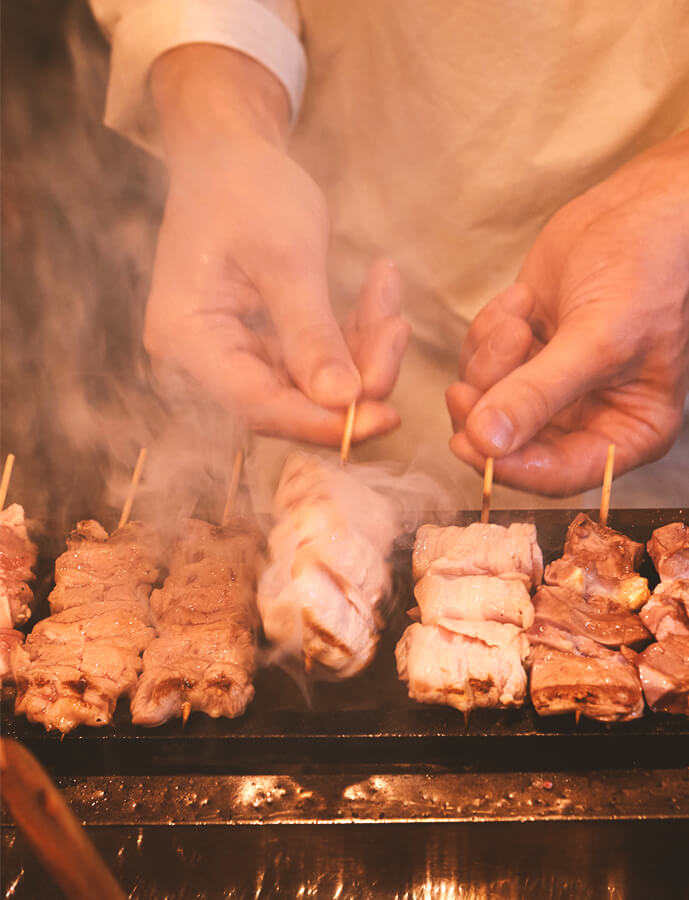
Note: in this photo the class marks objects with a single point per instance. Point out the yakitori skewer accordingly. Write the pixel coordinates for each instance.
(487, 488)
(58, 840)
(233, 487)
(607, 485)
(5, 481)
(347, 433)
(133, 484)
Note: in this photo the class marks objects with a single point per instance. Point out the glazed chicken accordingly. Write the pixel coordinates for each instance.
(17, 558)
(205, 617)
(78, 662)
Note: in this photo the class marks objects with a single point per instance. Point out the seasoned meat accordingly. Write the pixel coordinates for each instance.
(473, 597)
(669, 550)
(97, 567)
(479, 549)
(605, 687)
(463, 664)
(80, 660)
(323, 595)
(667, 612)
(17, 558)
(664, 671)
(205, 617)
(595, 618)
(600, 561)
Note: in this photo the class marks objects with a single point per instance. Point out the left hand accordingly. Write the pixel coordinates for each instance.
(591, 345)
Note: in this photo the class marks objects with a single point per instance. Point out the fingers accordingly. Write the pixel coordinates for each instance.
(314, 349)
(376, 333)
(512, 411)
(513, 304)
(506, 348)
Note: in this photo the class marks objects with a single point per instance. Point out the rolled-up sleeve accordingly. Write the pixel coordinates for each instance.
(141, 30)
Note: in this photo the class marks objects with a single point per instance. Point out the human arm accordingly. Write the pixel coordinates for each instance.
(591, 345)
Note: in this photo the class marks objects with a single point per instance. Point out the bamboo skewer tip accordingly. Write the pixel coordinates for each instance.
(233, 487)
(487, 489)
(186, 712)
(607, 486)
(133, 484)
(5, 481)
(347, 433)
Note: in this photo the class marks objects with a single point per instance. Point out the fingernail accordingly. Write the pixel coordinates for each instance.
(495, 427)
(334, 384)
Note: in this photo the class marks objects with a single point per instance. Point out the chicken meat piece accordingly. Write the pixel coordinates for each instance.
(667, 612)
(204, 652)
(18, 556)
(479, 549)
(594, 617)
(463, 664)
(664, 671)
(323, 595)
(79, 661)
(473, 597)
(600, 561)
(96, 566)
(605, 687)
(669, 550)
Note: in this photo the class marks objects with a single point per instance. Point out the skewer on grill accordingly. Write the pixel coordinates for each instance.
(5, 482)
(347, 433)
(607, 486)
(55, 835)
(487, 488)
(133, 484)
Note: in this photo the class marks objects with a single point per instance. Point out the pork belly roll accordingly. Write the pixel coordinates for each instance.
(479, 549)
(205, 615)
(463, 664)
(78, 662)
(600, 561)
(481, 598)
(17, 558)
(323, 596)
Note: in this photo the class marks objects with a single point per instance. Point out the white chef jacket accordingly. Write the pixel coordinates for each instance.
(444, 134)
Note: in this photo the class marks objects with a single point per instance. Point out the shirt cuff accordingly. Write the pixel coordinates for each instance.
(143, 35)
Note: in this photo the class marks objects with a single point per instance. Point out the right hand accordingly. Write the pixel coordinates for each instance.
(239, 298)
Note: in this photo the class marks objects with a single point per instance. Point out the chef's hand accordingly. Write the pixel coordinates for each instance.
(239, 297)
(591, 345)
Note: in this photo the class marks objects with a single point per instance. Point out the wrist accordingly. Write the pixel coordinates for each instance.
(209, 96)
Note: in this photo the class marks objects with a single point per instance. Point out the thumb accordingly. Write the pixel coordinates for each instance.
(521, 404)
(314, 348)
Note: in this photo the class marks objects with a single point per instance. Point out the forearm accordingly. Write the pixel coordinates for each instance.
(207, 96)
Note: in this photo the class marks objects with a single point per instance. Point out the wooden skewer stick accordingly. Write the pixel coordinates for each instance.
(607, 485)
(347, 433)
(5, 482)
(57, 838)
(133, 484)
(233, 487)
(577, 716)
(186, 710)
(487, 488)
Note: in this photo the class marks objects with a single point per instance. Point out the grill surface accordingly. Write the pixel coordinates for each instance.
(370, 721)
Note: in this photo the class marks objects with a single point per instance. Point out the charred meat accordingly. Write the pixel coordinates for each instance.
(602, 562)
(78, 662)
(205, 616)
(17, 559)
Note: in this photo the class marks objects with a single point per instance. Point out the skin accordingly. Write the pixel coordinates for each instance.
(591, 345)
(239, 296)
